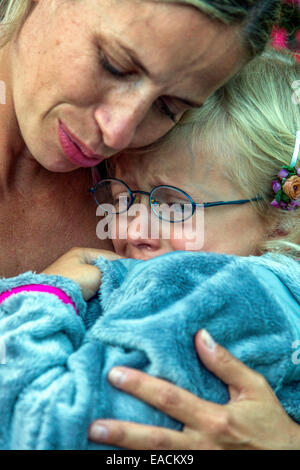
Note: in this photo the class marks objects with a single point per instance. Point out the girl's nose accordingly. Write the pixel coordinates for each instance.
(139, 231)
(139, 218)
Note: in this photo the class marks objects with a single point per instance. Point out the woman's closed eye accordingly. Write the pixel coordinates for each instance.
(113, 68)
(173, 107)
(119, 72)
(164, 108)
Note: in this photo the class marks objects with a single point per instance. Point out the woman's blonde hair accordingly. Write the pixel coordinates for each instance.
(12, 14)
(256, 16)
(251, 125)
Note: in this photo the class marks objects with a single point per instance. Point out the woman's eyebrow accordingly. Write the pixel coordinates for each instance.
(135, 59)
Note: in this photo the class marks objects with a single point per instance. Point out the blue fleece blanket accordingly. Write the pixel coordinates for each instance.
(146, 315)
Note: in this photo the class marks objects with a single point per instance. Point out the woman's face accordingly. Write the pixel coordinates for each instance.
(93, 77)
(233, 229)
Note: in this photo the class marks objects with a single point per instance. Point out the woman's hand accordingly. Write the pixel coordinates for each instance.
(77, 265)
(252, 419)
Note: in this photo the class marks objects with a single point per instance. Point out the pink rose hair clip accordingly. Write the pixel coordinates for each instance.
(286, 186)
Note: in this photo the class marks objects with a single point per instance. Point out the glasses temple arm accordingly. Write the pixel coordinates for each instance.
(225, 203)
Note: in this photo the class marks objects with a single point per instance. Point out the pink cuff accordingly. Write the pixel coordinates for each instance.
(40, 288)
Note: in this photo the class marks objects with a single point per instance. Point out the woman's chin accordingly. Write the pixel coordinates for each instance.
(58, 166)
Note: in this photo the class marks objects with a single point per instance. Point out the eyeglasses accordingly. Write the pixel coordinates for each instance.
(167, 202)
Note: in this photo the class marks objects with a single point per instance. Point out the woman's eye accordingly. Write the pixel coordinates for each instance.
(112, 69)
(164, 109)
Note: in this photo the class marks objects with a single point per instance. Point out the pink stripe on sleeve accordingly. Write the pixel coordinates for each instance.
(39, 288)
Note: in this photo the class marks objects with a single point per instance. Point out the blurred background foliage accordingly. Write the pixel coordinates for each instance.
(287, 33)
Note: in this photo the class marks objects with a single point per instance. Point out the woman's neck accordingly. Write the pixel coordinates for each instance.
(15, 159)
(42, 214)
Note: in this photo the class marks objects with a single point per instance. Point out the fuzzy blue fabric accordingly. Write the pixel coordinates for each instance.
(145, 316)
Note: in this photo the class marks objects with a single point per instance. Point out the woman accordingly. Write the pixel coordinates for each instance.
(66, 111)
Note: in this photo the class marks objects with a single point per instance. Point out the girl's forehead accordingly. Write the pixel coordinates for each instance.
(189, 167)
(175, 164)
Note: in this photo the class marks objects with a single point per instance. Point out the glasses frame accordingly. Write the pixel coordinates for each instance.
(194, 204)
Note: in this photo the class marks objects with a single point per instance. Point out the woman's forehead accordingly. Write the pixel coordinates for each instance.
(176, 45)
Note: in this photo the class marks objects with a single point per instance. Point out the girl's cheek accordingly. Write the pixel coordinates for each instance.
(177, 245)
(118, 242)
(188, 237)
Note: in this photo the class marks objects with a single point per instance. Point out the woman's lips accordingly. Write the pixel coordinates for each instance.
(73, 151)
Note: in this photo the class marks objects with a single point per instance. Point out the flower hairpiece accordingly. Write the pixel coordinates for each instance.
(286, 186)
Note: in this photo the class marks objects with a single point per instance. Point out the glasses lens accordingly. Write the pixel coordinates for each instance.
(113, 196)
(171, 204)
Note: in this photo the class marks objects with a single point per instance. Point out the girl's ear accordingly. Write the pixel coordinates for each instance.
(279, 232)
(276, 230)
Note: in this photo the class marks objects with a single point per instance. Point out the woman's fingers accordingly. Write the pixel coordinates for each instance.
(137, 436)
(253, 419)
(225, 366)
(172, 400)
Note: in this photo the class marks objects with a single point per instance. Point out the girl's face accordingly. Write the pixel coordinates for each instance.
(233, 229)
(90, 78)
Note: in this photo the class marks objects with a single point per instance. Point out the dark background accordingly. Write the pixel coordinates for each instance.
(287, 33)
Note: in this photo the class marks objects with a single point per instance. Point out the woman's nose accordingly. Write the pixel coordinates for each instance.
(119, 119)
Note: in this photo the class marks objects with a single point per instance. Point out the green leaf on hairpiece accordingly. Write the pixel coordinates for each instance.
(291, 169)
(285, 198)
(278, 195)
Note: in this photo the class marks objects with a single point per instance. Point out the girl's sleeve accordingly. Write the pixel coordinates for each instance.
(44, 395)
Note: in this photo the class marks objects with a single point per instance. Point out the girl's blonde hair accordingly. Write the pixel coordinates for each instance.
(256, 16)
(251, 124)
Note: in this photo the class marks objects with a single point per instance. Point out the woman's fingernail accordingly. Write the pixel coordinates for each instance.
(117, 377)
(98, 432)
(208, 340)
